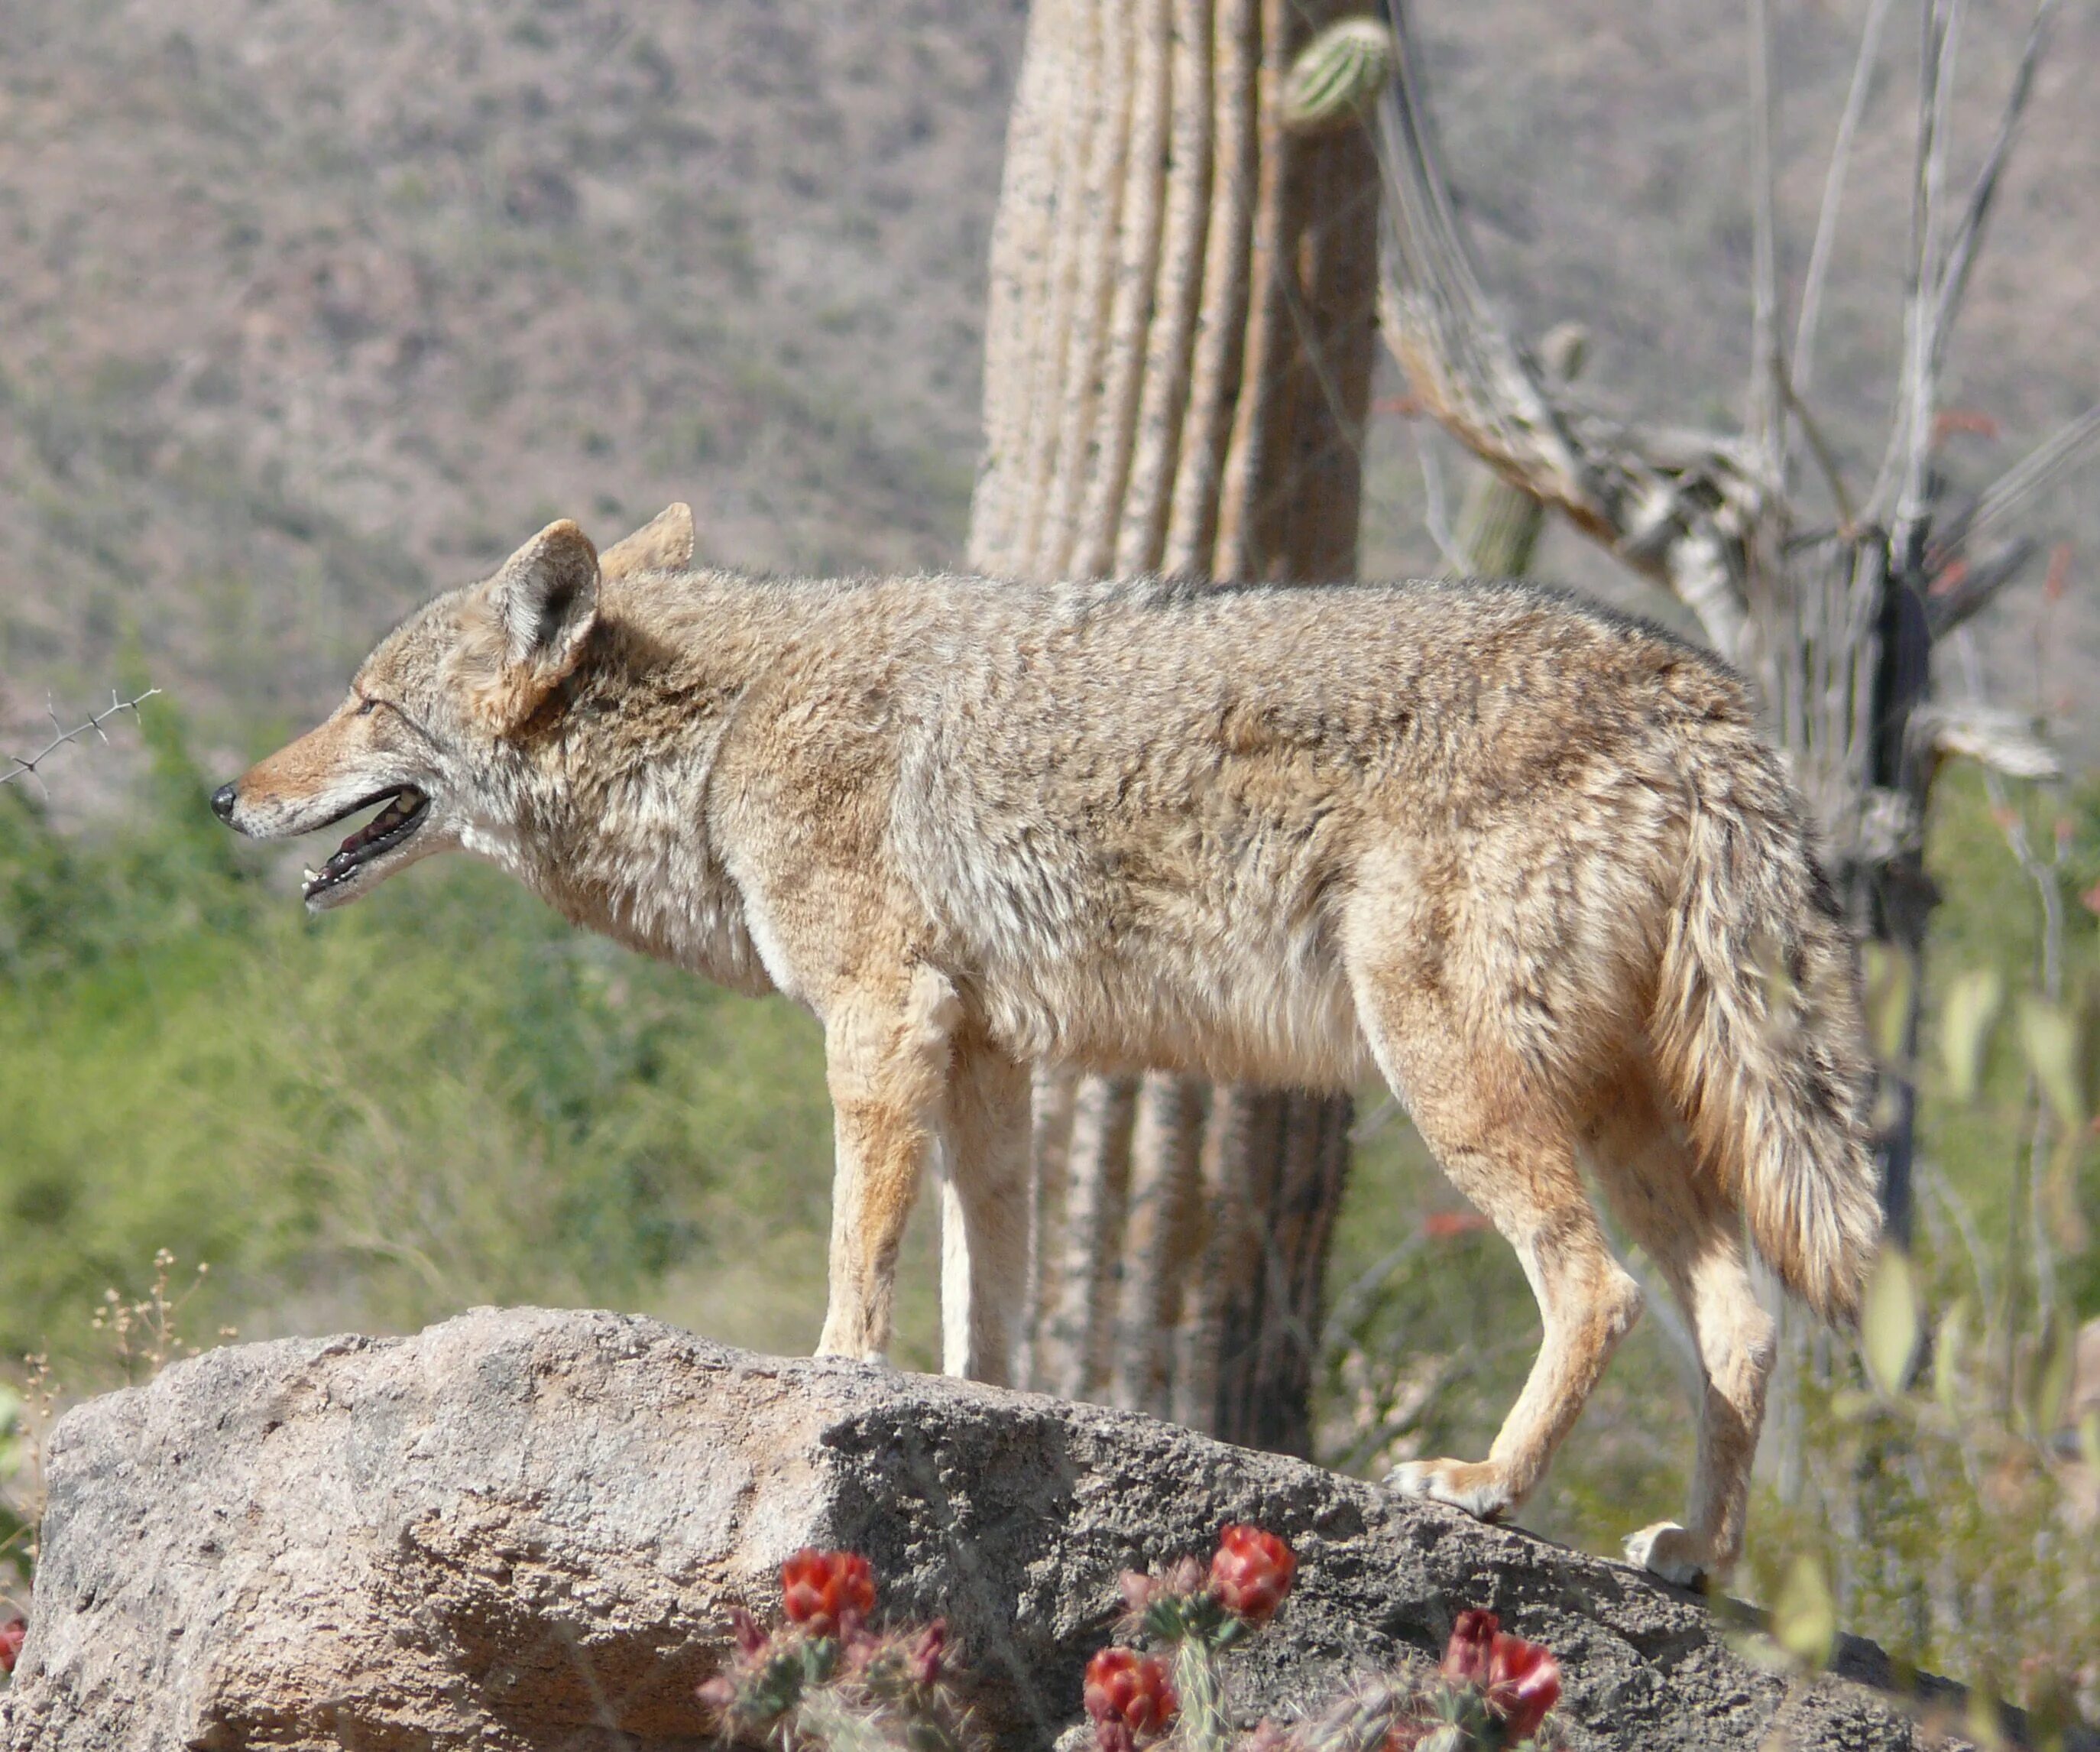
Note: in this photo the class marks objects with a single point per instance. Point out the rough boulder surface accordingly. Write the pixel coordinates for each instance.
(521, 1530)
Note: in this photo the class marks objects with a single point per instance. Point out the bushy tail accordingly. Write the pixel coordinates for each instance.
(1760, 1038)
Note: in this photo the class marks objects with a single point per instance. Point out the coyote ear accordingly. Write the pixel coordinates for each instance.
(662, 543)
(545, 599)
(533, 618)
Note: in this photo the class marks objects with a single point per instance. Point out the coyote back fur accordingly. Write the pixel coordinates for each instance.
(1530, 861)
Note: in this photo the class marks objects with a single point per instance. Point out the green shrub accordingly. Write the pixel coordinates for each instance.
(441, 1096)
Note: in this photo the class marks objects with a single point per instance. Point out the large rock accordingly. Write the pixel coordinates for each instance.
(521, 1529)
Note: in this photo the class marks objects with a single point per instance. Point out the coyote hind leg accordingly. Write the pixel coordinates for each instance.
(1515, 1158)
(1680, 1219)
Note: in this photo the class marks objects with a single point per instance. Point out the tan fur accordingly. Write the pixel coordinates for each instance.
(1531, 861)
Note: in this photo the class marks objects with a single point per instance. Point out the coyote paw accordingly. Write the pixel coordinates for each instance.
(1478, 1487)
(1668, 1551)
(839, 1353)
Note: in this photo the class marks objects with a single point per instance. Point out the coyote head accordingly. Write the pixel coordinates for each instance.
(431, 728)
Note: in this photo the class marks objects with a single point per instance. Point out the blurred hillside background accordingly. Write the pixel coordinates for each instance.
(309, 308)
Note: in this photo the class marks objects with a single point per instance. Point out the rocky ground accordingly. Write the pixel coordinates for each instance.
(522, 1531)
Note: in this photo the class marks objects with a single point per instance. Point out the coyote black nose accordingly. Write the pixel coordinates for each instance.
(222, 801)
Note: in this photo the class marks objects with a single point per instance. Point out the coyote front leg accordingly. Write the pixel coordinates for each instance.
(887, 1053)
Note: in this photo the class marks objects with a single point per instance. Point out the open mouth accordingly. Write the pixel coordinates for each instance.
(404, 813)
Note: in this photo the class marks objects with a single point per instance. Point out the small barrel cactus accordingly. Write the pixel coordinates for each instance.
(827, 1679)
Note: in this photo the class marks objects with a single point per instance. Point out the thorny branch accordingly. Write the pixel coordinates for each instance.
(1969, 233)
(1678, 508)
(1833, 196)
(1940, 270)
(29, 763)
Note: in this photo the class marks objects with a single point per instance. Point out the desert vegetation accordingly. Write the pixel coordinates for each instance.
(353, 1131)
(828, 1678)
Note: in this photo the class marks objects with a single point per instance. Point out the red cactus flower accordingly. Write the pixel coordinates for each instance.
(1520, 1681)
(1466, 1656)
(752, 1638)
(12, 1635)
(1252, 1572)
(1525, 1685)
(1129, 1696)
(826, 1591)
(926, 1653)
(1138, 1589)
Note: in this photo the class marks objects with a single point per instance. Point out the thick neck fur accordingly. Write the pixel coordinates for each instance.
(613, 822)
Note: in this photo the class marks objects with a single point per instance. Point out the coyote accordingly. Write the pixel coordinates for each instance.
(1530, 861)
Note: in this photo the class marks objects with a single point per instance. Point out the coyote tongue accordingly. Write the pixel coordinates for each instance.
(402, 814)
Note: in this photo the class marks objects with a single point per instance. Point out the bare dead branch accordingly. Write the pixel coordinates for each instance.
(1683, 522)
(1977, 584)
(1499, 524)
(1833, 197)
(1468, 371)
(2047, 464)
(1707, 516)
(27, 764)
(1826, 459)
(1906, 470)
(1768, 402)
(1969, 234)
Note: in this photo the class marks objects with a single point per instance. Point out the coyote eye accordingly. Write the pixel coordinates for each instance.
(366, 707)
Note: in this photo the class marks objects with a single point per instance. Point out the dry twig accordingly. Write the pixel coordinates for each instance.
(29, 763)
(1833, 196)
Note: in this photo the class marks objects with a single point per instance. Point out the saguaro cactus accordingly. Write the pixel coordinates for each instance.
(1177, 368)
